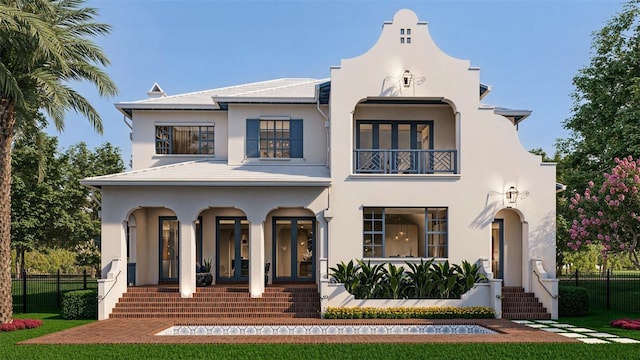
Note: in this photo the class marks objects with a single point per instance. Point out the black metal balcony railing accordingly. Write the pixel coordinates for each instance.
(405, 161)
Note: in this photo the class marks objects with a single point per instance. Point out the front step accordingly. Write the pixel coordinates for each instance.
(219, 302)
(517, 304)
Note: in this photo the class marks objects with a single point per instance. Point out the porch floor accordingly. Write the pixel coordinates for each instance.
(142, 331)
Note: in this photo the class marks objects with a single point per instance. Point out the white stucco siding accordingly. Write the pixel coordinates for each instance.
(314, 132)
(143, 138)
(491, 156)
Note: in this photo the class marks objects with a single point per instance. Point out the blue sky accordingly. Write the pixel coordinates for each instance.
(528, 51)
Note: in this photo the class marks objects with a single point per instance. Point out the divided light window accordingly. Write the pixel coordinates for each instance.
(278, 138)
(190, 140)
(405, 232)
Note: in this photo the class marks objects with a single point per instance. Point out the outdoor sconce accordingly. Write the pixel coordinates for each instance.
(512, 195)
(406, 78)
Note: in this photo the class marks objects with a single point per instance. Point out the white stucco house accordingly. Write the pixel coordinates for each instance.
(305, 173)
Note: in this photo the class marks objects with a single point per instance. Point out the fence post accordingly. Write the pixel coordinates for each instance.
(58, 288)
(577, 273)
(24, 290)
(84, 279)
(608, 288)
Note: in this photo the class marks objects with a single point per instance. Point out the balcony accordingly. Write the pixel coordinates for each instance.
(405, 161)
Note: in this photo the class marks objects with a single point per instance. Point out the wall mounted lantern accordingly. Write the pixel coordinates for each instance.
(512, 195)
(406, 78)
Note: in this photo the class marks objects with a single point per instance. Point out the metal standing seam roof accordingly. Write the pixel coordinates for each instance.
(218, 173)
(295, 90)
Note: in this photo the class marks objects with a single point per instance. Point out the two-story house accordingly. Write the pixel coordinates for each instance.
(392, 158)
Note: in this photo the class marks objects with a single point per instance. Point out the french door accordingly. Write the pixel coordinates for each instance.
(169, 246)
(232, 249)
(497, 248)
(294, 241)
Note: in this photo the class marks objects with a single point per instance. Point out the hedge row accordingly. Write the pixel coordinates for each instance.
(435, 312)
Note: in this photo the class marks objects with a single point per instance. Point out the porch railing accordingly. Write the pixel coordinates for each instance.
(405, 161)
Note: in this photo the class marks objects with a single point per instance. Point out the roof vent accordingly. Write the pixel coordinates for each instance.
(156, 92)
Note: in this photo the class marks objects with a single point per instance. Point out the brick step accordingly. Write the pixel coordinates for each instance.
(518, 304)
(218, 302)
(522, 309)
(221, 298)
(222, 306)
(212, 309)
(192, 315)
(268, 290)
(521, 301)
(526, 316)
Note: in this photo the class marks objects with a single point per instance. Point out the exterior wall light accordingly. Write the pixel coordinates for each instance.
(406, 78)
(512, 195)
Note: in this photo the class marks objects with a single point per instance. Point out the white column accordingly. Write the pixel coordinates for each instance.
(256, 259)
(133, 239)
(187, 256)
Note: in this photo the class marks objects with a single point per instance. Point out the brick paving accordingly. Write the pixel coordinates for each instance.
(142, 331)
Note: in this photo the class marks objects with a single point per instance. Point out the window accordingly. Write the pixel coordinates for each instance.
(274, 138)
(196, 140)
(405, 232)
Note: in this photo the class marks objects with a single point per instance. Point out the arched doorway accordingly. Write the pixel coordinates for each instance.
(506, 247)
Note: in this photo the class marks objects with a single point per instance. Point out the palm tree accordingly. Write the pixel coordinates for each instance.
(45, 45)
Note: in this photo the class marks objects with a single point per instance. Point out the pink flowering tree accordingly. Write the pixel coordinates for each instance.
(609, 215)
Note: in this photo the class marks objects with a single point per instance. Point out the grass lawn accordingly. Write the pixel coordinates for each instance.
(52, 323)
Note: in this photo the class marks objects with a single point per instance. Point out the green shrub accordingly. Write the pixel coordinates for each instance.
(573, 301)
(434, 312)
(80, 304)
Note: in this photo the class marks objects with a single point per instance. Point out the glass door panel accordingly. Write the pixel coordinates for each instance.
(169, 256)
(294, 240)
(232, 249)
(497, 241)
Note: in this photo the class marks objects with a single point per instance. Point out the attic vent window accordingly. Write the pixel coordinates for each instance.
(404, 32)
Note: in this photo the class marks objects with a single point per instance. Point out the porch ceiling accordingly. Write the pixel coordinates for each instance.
(217, 173)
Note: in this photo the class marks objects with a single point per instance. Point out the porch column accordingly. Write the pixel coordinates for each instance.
(256, 256)
(187, 248)
(321, 245)
(527, 270)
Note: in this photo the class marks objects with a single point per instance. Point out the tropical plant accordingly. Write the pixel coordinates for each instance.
(45, 45)
(468, 275)
(446, 278)
(207, 265)
(370, 279)
(424, 280)
(420, 279)
(345, 274)
(395, 282)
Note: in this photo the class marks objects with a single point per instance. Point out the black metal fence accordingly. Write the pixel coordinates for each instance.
(611, 290)
(43, 292)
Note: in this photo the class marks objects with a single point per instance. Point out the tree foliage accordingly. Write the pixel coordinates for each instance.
(50, 208)
(45, 45)
(609, 214)
(606, 102)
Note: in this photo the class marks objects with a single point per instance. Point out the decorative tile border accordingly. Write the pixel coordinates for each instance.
(275, 330)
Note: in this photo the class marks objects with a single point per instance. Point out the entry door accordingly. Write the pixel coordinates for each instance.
(497, 248)
(232, 249)
(169, 245)
(293, 249)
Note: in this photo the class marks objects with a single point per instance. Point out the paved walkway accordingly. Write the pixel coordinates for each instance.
(143, 331)
(585, 335)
